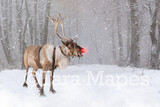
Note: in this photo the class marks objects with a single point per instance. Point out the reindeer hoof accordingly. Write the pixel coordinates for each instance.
(41, 92)
(38, 86)
(52, 91)
(25, 85)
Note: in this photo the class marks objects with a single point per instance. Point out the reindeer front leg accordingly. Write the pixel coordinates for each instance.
(51, 80)
(43, 82)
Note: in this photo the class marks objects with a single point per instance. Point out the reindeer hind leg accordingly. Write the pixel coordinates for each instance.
(34, 76)
(25, 82)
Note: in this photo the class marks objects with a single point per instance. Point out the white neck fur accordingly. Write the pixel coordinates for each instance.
(62, 60)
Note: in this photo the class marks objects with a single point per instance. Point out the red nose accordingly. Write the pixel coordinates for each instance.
(83, 50)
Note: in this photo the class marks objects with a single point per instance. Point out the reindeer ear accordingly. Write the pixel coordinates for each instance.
(66, 50)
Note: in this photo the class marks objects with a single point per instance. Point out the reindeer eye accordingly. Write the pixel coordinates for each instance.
(72, 45)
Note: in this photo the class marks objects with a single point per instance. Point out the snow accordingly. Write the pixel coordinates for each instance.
(83, 86)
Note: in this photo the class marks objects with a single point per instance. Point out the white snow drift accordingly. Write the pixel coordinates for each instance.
(84, 86)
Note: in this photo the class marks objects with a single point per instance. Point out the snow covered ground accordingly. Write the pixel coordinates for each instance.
(84, 86)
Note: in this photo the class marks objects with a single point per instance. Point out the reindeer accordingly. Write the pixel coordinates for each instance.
(49, 57)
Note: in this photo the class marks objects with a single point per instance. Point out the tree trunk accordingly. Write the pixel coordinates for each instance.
(4, 37)
(128, 58)
(20, 29)
(154, 61)
(45, 29)
(120, 42)
(135, 41)
(35, 39)
(24, 33)
(113, 42)
(114, 47)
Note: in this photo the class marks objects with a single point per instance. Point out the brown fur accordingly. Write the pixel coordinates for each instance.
(37, 56)
(31, 59)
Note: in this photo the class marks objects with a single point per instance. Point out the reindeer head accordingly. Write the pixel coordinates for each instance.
(73, 48)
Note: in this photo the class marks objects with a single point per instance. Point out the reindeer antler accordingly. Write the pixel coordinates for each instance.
(56, 23)
(63, 29)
